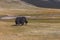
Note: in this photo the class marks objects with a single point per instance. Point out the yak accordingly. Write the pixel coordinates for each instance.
(21, 20)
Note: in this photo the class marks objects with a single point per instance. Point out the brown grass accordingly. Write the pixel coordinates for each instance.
(32, 31)
(35, 30)
(28, 11)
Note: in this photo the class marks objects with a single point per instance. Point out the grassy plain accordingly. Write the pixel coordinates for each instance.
(31, 12)
(34, 30)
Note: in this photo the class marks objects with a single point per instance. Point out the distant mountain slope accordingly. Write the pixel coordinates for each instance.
(29, 4)
(15, 4)
(44, 3)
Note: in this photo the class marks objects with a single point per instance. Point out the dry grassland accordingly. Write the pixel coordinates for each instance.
(28, 11)
(32, 31)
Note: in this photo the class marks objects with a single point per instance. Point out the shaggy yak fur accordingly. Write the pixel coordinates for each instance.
(21, 21)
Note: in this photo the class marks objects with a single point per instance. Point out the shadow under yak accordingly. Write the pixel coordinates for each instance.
(44, 3)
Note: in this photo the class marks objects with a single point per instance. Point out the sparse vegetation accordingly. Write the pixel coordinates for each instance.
(46, 29)
(31, 12)
(36, 30)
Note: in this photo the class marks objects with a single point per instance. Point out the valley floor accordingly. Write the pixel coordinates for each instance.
(31, 31)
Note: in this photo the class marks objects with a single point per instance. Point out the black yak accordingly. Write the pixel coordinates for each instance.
(21, 21)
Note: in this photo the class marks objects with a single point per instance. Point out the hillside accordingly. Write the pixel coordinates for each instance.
(29, 7)
(44, 3)
(29, 4)
(15, 4)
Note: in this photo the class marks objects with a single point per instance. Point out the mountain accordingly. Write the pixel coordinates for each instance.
(29, 4)
(44, 3)
(15, 4)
